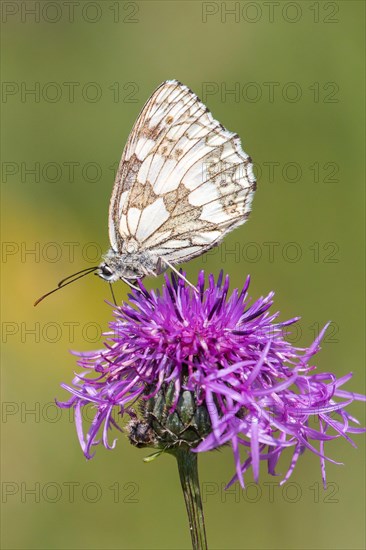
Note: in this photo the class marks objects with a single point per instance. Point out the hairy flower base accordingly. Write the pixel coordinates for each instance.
(254, 390)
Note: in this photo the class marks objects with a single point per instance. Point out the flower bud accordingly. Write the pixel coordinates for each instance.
(164, 426)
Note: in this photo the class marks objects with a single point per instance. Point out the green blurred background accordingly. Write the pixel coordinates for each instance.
(297, 72)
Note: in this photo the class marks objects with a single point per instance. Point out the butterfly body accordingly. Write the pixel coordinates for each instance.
(182, 184)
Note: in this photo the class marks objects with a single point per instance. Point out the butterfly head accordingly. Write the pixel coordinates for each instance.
(130, 266)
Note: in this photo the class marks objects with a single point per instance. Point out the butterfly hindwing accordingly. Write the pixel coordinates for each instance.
(183, 181)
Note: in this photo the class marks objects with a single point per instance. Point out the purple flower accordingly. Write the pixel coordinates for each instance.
(223, 359)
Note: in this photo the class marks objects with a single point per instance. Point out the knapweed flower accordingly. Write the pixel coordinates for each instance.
(209, 370)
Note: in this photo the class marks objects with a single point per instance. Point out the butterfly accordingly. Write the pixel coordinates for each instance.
(182, 184)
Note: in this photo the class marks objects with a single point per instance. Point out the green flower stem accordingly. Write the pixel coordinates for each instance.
(188, 472)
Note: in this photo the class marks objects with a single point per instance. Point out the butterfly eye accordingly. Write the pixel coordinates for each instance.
(106, 271)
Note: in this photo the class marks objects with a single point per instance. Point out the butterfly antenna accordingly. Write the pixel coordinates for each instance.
(89, 269)
(70, 279)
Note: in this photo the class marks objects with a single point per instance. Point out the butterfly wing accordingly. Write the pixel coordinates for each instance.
(183, 181)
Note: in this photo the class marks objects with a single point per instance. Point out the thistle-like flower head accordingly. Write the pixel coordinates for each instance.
(208, 370)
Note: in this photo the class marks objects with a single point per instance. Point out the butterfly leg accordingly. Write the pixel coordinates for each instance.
(112, 292)
(130, 284)
(178, 273)
(160, 268)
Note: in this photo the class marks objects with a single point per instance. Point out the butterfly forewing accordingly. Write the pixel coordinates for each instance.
(183, 181)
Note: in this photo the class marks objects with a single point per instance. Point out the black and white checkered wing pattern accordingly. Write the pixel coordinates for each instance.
(183, 181)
